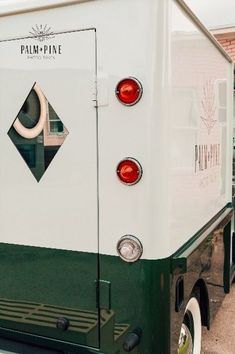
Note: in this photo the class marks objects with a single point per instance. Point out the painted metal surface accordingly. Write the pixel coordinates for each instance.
(42, 286)
(47, 220)
(200, 133)
(139, 299)
(178, 131)
(13, 7)
(161, 138)
(142, 297)
(61, 210)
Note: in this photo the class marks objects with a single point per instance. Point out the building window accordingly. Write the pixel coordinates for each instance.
(55, 124)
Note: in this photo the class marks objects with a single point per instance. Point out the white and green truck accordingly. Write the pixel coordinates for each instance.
(116, 227)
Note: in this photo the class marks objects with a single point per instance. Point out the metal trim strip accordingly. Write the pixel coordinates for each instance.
(179, 259)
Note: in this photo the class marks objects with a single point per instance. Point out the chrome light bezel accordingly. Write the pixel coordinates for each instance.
(140, 168)
(137, 246)
(140, 91)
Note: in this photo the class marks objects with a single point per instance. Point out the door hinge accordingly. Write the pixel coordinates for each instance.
(103, 294)
(94, 94)
(102, 90)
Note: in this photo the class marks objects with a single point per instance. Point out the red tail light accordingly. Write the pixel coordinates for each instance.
(129, 91)
(129, 171)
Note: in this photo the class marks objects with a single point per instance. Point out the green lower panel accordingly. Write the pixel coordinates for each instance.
(39, 287)
(140, 299)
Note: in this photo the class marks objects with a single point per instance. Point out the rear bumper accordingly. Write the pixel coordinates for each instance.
(13, 342)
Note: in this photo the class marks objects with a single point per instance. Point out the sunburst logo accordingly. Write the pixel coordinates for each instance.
(42, 32)
(208, 106)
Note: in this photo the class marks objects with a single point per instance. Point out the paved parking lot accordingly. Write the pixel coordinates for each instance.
(221, 338)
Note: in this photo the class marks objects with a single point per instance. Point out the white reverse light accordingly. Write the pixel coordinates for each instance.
(129, 248)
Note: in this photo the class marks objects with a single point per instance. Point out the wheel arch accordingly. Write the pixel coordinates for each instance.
(201, 292)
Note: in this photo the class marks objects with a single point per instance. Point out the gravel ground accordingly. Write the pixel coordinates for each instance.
(221, 337)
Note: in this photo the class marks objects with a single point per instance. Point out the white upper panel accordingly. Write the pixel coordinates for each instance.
(200, 131)
(180, 70)
(60, 210)
(15, 6)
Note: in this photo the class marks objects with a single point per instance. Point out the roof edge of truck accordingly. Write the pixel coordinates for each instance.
(17, 7)
(21, 6)
(200, 25)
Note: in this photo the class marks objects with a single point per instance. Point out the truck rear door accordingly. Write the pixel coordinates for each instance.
(48, 185)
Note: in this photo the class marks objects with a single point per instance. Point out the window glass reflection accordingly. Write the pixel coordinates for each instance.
(37, 132)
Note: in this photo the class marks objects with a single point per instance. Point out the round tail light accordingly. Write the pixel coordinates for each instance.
(129, 171)
(129, 248)
(129, 91)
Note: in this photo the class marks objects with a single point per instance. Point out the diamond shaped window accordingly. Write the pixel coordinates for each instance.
(37, 132)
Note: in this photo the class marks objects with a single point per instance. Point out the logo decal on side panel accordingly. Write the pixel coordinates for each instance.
(37, 132)
(208, 106)
(39, 46)
(42, 33)
(208, 154)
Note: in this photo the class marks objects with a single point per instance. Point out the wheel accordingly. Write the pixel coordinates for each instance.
(191, 329)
